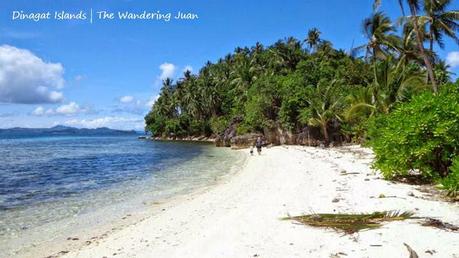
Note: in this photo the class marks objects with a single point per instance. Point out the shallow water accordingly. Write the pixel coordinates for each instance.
(50, 187)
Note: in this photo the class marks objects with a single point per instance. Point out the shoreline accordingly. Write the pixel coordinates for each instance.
(200, 139)
(240, 216)
(96, 224)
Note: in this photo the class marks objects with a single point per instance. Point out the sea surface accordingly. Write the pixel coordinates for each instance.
(53, 187)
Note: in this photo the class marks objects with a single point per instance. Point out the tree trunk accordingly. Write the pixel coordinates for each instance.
(431, 41)
(421, 48)
(325, 131)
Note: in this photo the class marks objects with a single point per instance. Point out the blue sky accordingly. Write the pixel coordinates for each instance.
(106, 73)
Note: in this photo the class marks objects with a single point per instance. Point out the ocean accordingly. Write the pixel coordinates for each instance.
(54, 187)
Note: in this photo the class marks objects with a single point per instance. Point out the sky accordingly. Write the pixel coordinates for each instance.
(108, 72)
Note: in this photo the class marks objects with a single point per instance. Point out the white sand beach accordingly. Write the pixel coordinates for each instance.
(241, 216)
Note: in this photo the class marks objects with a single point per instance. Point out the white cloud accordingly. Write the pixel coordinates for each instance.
(56, 96)
(129, 104)
(26, 78)
(188, 68)
(108, 121)
(126, 99)
(452, 59)
(70, 109)
(39, 111)
(167, 71)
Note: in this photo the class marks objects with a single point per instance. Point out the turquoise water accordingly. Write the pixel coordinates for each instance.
(51, 186)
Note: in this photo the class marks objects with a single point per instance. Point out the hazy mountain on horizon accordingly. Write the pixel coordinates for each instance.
(63, 131)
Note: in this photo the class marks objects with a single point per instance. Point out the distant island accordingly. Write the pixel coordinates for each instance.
(61, 130)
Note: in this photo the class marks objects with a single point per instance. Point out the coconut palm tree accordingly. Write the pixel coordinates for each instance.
(407, 50)
(414, 6)
(324, 105)
(379, 31)
(325, 48)
(440, 21)
(392, 83)
(287, 53)
(190, 98)
(442, 72)
(166, 104)
(313, 38)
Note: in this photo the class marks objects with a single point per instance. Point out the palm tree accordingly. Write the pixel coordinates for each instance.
(325, 48)
(442, 72)
(166, 105)
(379, 31)
(362, 104)
(392, 83)
(407, 50)
(324, 105)
(313, 38)
(414, 6)
(190, 98)
(287, 53)
(440, 21)
(208, 91)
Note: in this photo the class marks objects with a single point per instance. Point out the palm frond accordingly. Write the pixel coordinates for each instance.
(351, 223)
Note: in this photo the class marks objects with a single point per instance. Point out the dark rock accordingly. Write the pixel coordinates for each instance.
(309, 136)
(244, 141)
(224, 139)
(276, 135)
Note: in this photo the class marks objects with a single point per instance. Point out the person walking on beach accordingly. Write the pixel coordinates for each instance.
(258, 144)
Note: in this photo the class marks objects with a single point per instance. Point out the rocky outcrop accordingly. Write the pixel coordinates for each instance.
(224, 139)
(279, 136)
(244, 141)
(309, 136)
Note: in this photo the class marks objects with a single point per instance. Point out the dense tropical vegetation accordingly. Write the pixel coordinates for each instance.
(393, 92)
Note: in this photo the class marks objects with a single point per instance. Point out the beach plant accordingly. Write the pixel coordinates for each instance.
(218, 124)
(451, 182)
(420, 136)
(324, 105)
(351, 223)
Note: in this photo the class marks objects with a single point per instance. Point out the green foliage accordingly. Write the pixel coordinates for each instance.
(172, 127)
(451, 182)
(243, 129)
(420, 135)
(266, 86)
(292, 85)
(218, 124)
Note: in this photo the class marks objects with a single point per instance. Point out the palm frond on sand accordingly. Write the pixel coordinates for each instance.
(351, 223)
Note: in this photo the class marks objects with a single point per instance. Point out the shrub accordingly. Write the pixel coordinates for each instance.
(451, 182)
(421, 135)
(243, 128)
(173, 128)
(218, 124)
(155, 124)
